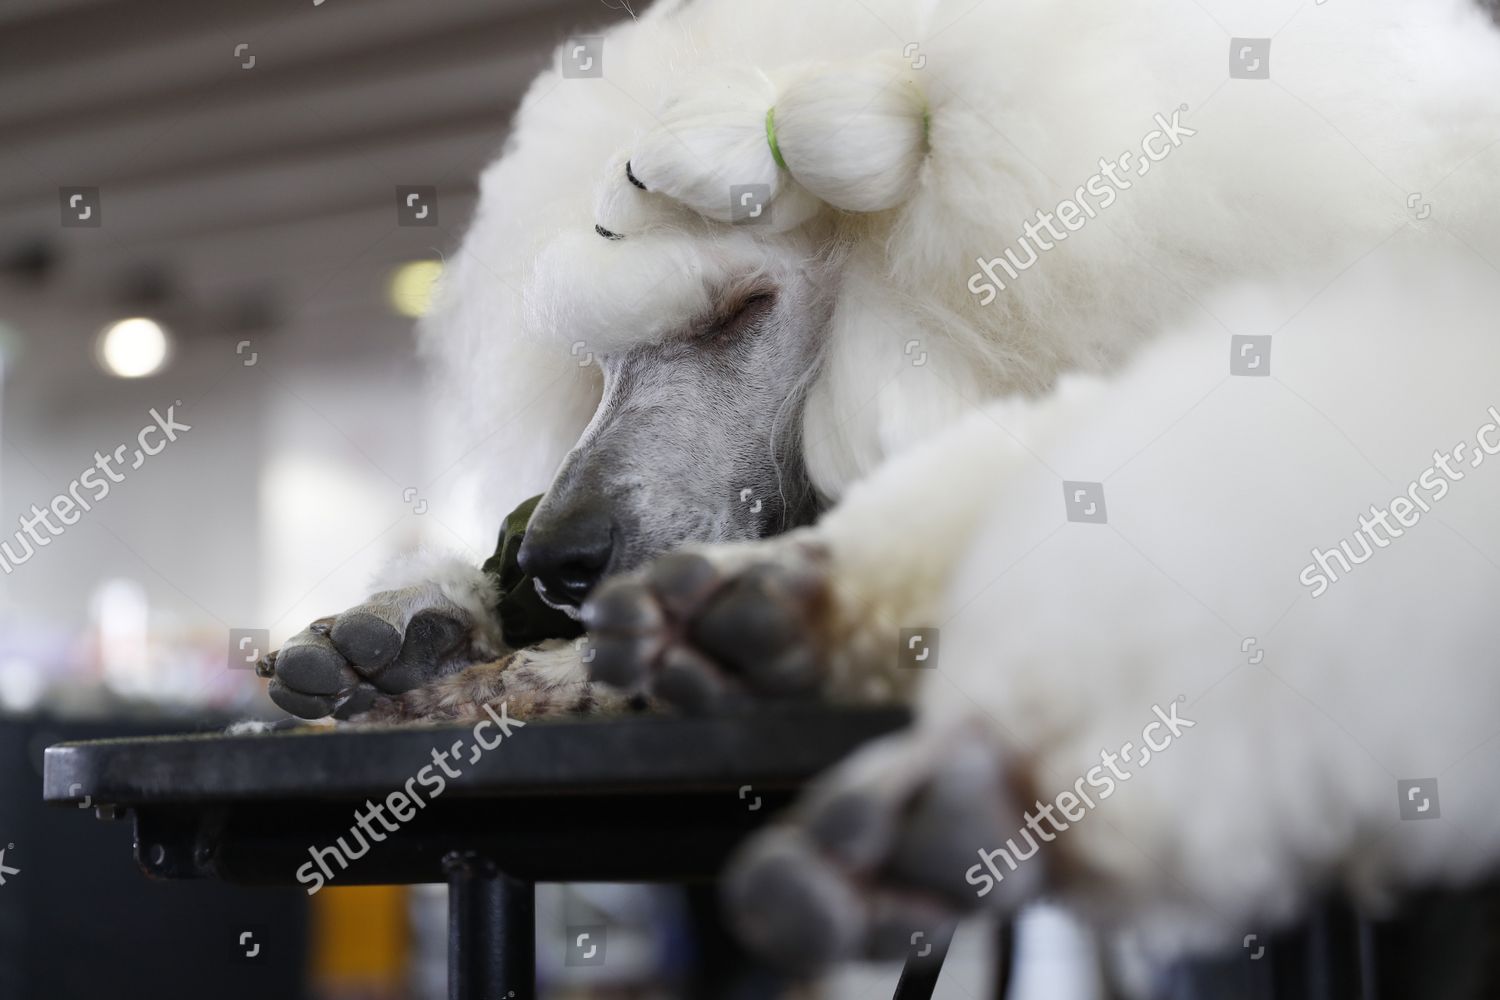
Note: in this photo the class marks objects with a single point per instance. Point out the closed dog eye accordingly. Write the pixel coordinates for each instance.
(739, 314)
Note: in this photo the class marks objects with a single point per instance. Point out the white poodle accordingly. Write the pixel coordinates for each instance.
(1114, 382)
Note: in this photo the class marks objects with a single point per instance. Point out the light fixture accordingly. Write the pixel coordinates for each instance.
(133, 348)
(412, 287)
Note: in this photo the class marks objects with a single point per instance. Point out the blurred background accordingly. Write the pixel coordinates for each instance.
(199, 210)
(200, 215)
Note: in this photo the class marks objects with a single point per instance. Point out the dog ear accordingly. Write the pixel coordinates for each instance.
(852, 135)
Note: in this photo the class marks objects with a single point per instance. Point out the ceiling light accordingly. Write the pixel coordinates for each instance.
(413, 285)
(133, 348)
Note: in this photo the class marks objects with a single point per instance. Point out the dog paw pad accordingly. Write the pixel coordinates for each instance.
(875, 859)
(699, 636)
(366, 639)
(343, 665)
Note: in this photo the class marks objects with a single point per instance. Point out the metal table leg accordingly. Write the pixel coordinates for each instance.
(1335, 966)
(491, 932)
(919, 975)
(1005, 957)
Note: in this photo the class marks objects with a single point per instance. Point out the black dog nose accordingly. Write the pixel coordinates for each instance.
(568, 555)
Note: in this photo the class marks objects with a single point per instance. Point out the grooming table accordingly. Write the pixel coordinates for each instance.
(638, 799)
(641, 799)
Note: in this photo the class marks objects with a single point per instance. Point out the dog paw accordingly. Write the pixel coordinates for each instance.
(395, 642)
(706, 629)
(882, 854)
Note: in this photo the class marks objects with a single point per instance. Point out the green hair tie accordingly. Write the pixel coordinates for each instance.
(771, 138)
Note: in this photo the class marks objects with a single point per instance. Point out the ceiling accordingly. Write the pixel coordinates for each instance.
(247, 153)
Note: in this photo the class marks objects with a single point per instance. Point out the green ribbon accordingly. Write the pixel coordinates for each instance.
(771, 137)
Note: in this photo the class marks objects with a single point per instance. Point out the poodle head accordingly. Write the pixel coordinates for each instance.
(651, 279)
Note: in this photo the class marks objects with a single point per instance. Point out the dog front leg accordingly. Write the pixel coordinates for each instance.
(821, 611)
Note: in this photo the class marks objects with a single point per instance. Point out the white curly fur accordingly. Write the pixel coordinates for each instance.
(940, 168)
(1023, 99)
(1061, 637)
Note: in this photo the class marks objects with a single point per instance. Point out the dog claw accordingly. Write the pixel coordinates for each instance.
(356, 701)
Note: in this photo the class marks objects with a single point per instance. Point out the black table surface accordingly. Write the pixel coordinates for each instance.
(603, 799)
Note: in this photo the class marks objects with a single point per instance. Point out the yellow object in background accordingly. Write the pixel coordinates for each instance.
(360, 942)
